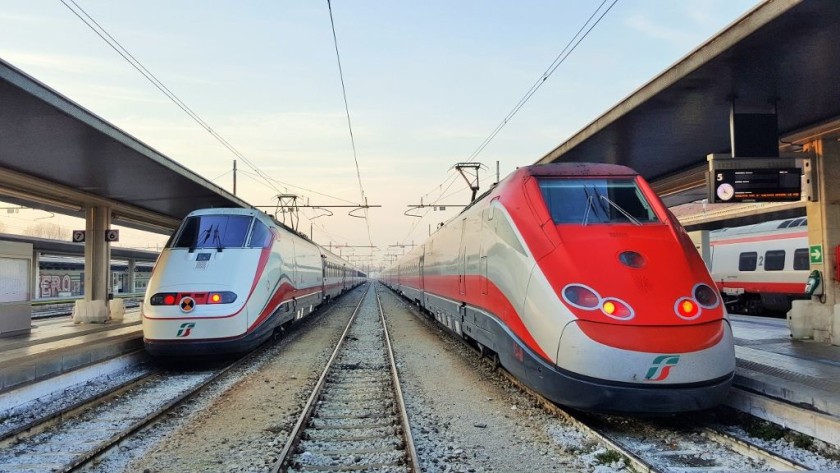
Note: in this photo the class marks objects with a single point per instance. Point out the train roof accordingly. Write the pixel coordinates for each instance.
(772, 226)
(579, 169)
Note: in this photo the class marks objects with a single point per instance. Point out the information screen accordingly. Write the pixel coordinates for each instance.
(757, 185)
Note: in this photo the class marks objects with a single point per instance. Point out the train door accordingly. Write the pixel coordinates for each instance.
(482, 262)
(293, 266)
(462, 260)
(420, 283)
(323, 277)
(489, 229)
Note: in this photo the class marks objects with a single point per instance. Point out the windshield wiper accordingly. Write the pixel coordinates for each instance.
(217, 240)
(590, 205)
(587, 209)
(632, 219)
(205, 234)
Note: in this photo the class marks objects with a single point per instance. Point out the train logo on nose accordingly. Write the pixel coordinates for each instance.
(187, 304)
(661, 367)
(185, 329)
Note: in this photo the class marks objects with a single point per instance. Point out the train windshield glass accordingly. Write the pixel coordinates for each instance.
(213, 231)
(596, 200)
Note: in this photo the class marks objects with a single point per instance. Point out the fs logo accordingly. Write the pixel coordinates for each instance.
(185, 329)
(661, 367)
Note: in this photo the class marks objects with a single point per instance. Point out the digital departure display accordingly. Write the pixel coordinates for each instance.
(757, 185)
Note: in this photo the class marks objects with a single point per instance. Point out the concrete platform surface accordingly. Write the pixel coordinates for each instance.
(57, 346)
(803, 373)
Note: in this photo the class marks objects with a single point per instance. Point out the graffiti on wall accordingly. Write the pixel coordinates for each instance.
(54, 285)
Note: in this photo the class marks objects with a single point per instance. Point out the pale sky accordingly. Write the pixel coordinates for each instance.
(426, 82)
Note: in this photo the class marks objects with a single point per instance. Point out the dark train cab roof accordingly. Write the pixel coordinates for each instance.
(579, 169)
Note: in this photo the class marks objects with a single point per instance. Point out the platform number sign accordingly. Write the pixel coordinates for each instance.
(112, 235)
(816, 254)
(78, 236)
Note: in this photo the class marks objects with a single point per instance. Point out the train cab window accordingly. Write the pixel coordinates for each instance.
(774, 260)
(801, 259)
(747, 261)
(595, 200)
(213, 231)
(506, 233)
(786, 223)
(802, 222)
(260, 236)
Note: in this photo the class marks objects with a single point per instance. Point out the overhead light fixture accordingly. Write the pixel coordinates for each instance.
(5, 191)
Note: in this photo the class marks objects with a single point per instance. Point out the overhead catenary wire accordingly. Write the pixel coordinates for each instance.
(349, 122)
(561, 57)
(100, 31)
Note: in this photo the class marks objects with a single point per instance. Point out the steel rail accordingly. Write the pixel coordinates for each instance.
(152, 418)
(751, 450)
(294, 435)
(409, 440)
(41, 424)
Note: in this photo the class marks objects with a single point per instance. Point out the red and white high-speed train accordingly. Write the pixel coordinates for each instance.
(228, 278)
(761, 267)
(584, 286)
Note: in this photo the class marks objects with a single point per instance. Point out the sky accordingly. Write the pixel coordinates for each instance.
(426, 84)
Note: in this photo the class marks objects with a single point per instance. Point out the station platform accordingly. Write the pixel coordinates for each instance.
(799, 373)
(57, 346)
(799, 381)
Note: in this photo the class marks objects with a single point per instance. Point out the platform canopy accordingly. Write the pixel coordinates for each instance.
(57, 156)
(782, 56)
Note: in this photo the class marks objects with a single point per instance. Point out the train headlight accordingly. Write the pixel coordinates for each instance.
(631, 259)
(617, 309)
(164, 298)
(687, 309)
(581, 296)
(221, 297)
(706, 296)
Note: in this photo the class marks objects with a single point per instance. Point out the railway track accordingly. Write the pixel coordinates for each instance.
(64, 309)
(79, 435)
(355, 418)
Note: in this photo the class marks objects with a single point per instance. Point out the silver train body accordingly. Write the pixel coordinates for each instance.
(579, 281)
(228, 278)
(760, 269)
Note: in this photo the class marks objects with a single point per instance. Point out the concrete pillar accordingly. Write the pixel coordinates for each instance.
(701, 242)
(36, 275)
(132, 266)
(97, 254)
(815, 318)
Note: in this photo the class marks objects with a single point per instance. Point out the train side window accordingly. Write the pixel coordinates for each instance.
(260, 236)
(801, 259)
(774, 260)
(747, 261)
(506, 233)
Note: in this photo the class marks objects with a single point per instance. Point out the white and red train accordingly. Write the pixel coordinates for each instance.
(228, 278)
(584, 286)
(761, 268)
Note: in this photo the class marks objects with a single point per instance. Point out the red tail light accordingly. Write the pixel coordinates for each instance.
(164, 298)
(173, 298)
